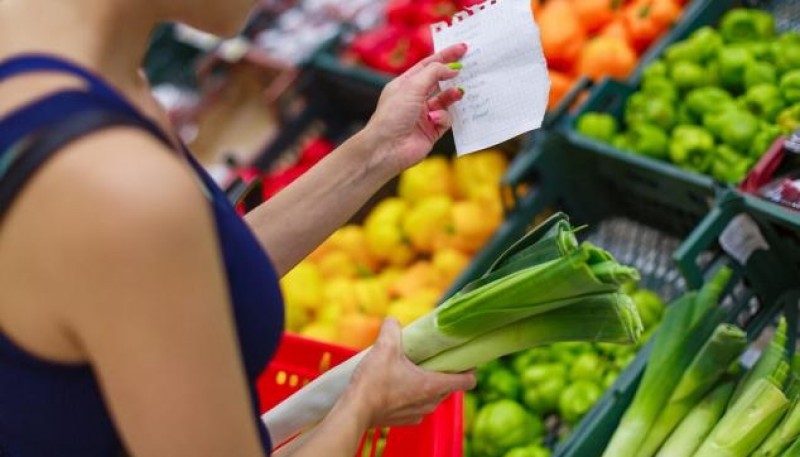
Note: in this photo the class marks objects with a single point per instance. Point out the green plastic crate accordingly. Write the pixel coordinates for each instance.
(590, 189)
(609, 96)
(765, 285)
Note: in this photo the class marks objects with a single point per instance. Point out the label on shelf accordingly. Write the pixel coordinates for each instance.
(741, 238)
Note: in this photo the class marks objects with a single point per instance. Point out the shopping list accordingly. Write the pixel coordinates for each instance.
(505, 80)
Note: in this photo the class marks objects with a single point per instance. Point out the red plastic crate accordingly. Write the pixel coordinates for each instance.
(299, 360)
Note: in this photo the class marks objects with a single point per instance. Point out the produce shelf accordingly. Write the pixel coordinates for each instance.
(610, 97)
(765, 244)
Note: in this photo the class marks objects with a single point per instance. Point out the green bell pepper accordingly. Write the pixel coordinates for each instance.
(688, 75)
(623, 360)
(733, 63)
(528, 451)
(764, 139)
(699, 47)
(577, 399)
(471, 407)
(649, 305)
(502, 426)
(760, 73)
(729, 166)
(609, 379)
(588, 366)
(622, 143)
(522, 360)
(501, 383)
(692, 148)
(790, 86)
(660, 87)
(764, 101)
(599, 126)
(644, 108)
(648, 140)
(543, 385)
(787, 52)
(704, 100)
(789, 119)
(484, 371)
(743, 25)
(657, 69)
(738, 129)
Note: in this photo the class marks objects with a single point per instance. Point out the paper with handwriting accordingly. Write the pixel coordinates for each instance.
(505, 80)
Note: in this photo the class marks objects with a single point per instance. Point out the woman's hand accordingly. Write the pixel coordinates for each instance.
(411, 116)
(394, 390)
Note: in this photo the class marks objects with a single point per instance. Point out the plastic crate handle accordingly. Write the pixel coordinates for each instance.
(701, 239)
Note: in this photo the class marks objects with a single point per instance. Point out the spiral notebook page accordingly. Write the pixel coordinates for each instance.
(504, 77)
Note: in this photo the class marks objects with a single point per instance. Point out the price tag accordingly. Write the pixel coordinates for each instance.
(741, 238)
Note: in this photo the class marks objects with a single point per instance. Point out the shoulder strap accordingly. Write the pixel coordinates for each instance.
(38, 63)
(22, 162)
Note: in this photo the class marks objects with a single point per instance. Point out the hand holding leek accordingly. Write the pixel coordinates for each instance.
(540, 291)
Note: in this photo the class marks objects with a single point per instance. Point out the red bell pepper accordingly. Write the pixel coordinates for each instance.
(402, 12)
(390, 49)
(432, 11)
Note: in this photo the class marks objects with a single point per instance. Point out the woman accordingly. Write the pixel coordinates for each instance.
(136, 308)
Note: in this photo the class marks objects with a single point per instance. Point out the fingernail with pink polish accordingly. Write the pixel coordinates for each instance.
(435, 117)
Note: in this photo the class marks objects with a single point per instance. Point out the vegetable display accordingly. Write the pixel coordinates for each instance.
(595, 38)
(555, 384)
(546, 288)
(712, 409)
(715, 102)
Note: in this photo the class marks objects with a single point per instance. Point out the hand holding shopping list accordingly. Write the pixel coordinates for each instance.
(505, 77)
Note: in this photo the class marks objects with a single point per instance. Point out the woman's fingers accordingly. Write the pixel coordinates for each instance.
(443, 100)
(450, 54)
(427, 80)
(441, 120)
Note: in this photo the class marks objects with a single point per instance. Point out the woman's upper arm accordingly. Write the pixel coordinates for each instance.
(149, 305)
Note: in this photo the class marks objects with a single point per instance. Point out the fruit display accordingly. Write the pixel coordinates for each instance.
(715, 102)
(405, 254)
(595, 38)
(542, 392)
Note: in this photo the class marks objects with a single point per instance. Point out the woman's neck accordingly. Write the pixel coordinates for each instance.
(107, 36)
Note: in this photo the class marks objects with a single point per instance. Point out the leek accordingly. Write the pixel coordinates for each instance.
(546, 277)
(784, 435)
(793, 451)
(687, 324)
(607, 318)
(769, 360)
(710, 364)
(696, 426)
(747, 422)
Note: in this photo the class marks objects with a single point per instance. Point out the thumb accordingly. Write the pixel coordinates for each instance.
(391, 335)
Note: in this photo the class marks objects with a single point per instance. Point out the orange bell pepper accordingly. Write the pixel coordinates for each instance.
(616, 28)
(562, 34)
(607, 56)
(594, 14)
(646, 20)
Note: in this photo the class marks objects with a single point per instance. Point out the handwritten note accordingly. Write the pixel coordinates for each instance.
(504, 77)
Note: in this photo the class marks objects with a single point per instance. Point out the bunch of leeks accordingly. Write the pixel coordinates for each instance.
(709, 412)
(546, 288)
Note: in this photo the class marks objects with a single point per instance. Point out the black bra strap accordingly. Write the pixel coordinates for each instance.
(37, 148)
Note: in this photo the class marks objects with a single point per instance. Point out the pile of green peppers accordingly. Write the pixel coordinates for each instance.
(715, 102)
(524, 404)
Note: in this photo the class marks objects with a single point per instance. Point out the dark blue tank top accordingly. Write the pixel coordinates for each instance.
(51, 409)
